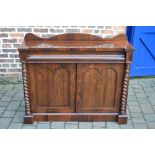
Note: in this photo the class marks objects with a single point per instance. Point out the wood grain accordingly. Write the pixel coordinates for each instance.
(54, 87)
(99, 87)
(75, 77)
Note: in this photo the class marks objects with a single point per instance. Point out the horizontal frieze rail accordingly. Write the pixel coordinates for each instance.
(77, 57)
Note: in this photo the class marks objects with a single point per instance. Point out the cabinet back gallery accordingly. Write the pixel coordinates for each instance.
(75, 77)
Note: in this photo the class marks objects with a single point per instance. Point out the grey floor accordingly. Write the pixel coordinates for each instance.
(140, 109)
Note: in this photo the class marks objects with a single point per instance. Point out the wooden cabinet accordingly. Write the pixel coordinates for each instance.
(75, 77)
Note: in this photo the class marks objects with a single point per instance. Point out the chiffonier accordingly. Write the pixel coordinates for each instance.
(75, 77)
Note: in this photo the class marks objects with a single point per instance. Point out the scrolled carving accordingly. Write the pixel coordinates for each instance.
(125, 89)
(26, 92)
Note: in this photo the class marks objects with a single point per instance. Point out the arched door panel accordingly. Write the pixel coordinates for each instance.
(54, 86)
(98, 87)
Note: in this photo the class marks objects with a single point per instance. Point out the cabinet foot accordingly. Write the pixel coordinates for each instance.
(122, 119)
(28, 119)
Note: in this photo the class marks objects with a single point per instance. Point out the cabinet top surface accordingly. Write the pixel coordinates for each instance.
(75, 42)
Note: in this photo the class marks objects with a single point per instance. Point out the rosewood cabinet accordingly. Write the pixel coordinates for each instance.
(75, 77)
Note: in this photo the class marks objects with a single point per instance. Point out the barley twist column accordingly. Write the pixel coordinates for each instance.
(26, 92)
(125, 89)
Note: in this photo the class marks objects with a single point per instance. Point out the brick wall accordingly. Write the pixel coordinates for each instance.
(11, 37)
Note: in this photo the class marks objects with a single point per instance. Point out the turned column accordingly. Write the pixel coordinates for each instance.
(26, 91)
(125, 89)
(28, 118)
(122, 118)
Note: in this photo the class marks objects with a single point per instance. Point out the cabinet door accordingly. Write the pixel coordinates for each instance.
(52, 87)
(99, 87)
